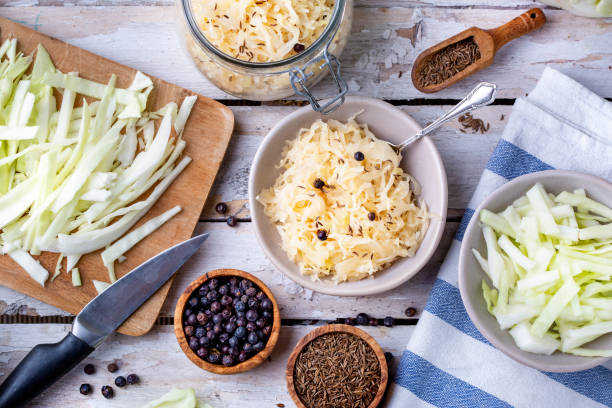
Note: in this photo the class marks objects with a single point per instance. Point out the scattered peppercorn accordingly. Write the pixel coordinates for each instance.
(359, 156)
(112, 367)
(85, 389)
(89, 369)
(411, 311)
(232, 221)
(389, 321)
(363, 319)
(221, 208)
(371, 216)
(120, 381)
(322, 235)
(318, 183)
(133, 379)
(299, 47)
(108, 392)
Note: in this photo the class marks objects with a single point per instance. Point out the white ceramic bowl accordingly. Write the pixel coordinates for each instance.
(421, 160)
(471, 275)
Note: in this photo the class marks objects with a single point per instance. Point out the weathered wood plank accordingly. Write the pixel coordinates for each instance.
(238, 248)
(464, 154)
(358, 3)
(379, 50)
(161, 365)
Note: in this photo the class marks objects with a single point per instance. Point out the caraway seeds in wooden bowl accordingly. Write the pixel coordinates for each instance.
(448, 62)
(338, 370)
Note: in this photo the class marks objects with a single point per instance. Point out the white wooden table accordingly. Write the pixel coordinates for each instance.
(387, 35)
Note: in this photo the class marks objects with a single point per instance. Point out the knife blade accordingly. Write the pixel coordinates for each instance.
(47, 363)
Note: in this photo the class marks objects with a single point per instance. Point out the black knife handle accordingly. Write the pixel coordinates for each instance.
(43, 366)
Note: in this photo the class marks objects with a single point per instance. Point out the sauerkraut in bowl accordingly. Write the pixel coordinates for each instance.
(247, 47)
(342, 205)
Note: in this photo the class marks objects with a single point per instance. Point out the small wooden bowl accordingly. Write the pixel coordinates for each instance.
(338, 328)
(252, 362)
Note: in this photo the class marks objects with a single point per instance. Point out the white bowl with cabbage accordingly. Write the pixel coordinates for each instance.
(535, 269)
(336, 209)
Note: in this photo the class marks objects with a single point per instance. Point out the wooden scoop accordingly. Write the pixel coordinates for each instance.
(488, 41)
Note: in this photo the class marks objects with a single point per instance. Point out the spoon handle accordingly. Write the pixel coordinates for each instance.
(482, 95)
(523, 24)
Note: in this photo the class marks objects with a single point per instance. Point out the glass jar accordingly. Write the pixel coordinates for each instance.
(263, 81)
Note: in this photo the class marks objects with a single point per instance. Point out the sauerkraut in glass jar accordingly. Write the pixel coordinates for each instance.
(268, 49)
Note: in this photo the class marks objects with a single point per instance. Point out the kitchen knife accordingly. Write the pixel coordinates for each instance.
(47, 363)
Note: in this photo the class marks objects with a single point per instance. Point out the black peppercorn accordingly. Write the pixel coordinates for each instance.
(299, 47)
(318, 183)
(266, 304)
(232, 221)
(214, 358)
(240, 332)
(359, 156)
(221, 208)
(120, 381)
(89, 369)
(228, 360)
(259, 346)
(252, 315)
(133, 379)
(410, 312)
(202, 318)
(363, 319)
(112, 367)
(322, 235)
(192, 320)
(107, 391)
(85, 389)
(202, 352)
(389, 321)
(371, 216)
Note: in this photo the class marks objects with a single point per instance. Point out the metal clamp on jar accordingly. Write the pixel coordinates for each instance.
(264, 81)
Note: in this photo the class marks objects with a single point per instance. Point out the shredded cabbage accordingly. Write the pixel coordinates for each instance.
(550, 270)
(586, 8)
(76, 277)
(355, 246)
(262, 31)
(71, 180)
(178, 398)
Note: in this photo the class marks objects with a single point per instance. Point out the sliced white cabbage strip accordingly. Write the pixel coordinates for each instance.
(550, 261)
(71, 180)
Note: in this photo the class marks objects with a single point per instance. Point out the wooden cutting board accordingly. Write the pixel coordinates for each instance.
(207, 134)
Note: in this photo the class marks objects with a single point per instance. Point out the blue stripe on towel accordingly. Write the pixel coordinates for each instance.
(445, 302)
(441, 389)
(465, 220)
(510, 161)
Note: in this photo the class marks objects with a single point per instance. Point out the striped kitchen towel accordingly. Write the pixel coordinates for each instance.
(448, 363)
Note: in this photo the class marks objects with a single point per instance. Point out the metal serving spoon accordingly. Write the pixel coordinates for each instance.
(482, 95)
